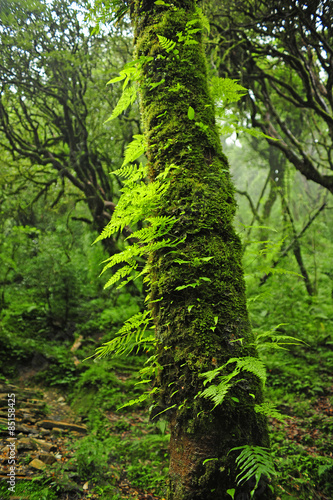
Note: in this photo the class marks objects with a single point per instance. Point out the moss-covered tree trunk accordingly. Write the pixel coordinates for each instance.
(205, 323)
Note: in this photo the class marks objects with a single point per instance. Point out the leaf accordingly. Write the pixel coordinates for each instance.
(190, 113)
(231, 492)
(216, 393)
(166, 43)
(140, 399)
(208, 460)
(252, 365)
(156, 84)
(134, 150)
(127, 98)
(226, 90)
(203, 19)
(190, 285)
(117, 78)
(131, 334)
(254, 461)
(270, 410)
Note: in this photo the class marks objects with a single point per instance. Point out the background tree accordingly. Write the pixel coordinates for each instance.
(282, 51)
(53, 101)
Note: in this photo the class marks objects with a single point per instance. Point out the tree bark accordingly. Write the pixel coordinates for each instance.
(205, 324)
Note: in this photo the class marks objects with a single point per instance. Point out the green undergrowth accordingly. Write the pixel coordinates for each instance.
(122, 444)
(28, 490)
(299, 383)
(122, 447)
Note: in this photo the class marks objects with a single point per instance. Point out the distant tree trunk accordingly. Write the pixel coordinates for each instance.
(203, 325)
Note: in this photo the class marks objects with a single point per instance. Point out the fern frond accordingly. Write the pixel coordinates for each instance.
(124, 256)
(132, 172)
(128, 256)
(255, 132)
(131, 71)
(250, 364)
(159, 226)
(254, 461)
(278, 270)
(166, 43)
(226, 90)
(203, 19)
(132, 334)
(269, 409)
(143, 397)
(127, 98)
(121, 273)
(273, 340)
(209, 376)
(136, 202)
(217, 393)
(135, 149)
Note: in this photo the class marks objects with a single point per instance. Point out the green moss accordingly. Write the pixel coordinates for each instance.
(200, 309)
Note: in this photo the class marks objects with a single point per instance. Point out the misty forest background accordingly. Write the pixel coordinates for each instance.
(57, 192)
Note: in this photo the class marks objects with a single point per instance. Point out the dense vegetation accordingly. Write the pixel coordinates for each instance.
(56, 191)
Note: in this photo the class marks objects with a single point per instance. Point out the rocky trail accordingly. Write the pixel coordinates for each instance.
(40, 434)
(40, 442)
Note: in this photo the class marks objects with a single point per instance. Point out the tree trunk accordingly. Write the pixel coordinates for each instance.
(206, 323)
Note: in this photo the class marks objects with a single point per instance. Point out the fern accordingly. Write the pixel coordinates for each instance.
(202, 19)
(217, 393)
(135, 149)
(278, 270)
(132, 334)
(226, 90)
(131, 71)
(272, 340)
(269, 409)
(136, 203)
(159, 226)
(127, 98)
(250, 364)
(166, 44)
(254, 461)
(121, 273)
(143, 397)
(132, 172)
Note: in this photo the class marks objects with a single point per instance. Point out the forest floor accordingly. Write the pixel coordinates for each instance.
(49, 434)
(73, 442)
(46, 437)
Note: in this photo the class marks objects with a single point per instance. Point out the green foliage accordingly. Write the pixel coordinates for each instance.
(269, 410)
(134, 150)
(217, 393)
(204, 22)
(225, 90)
(127, 98)
(272, 340)
(166, 44)
(254, 461)
(28, 489)
(133, 334)
(92, 458)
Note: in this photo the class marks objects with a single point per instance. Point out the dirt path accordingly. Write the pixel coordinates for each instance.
(41, 440)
